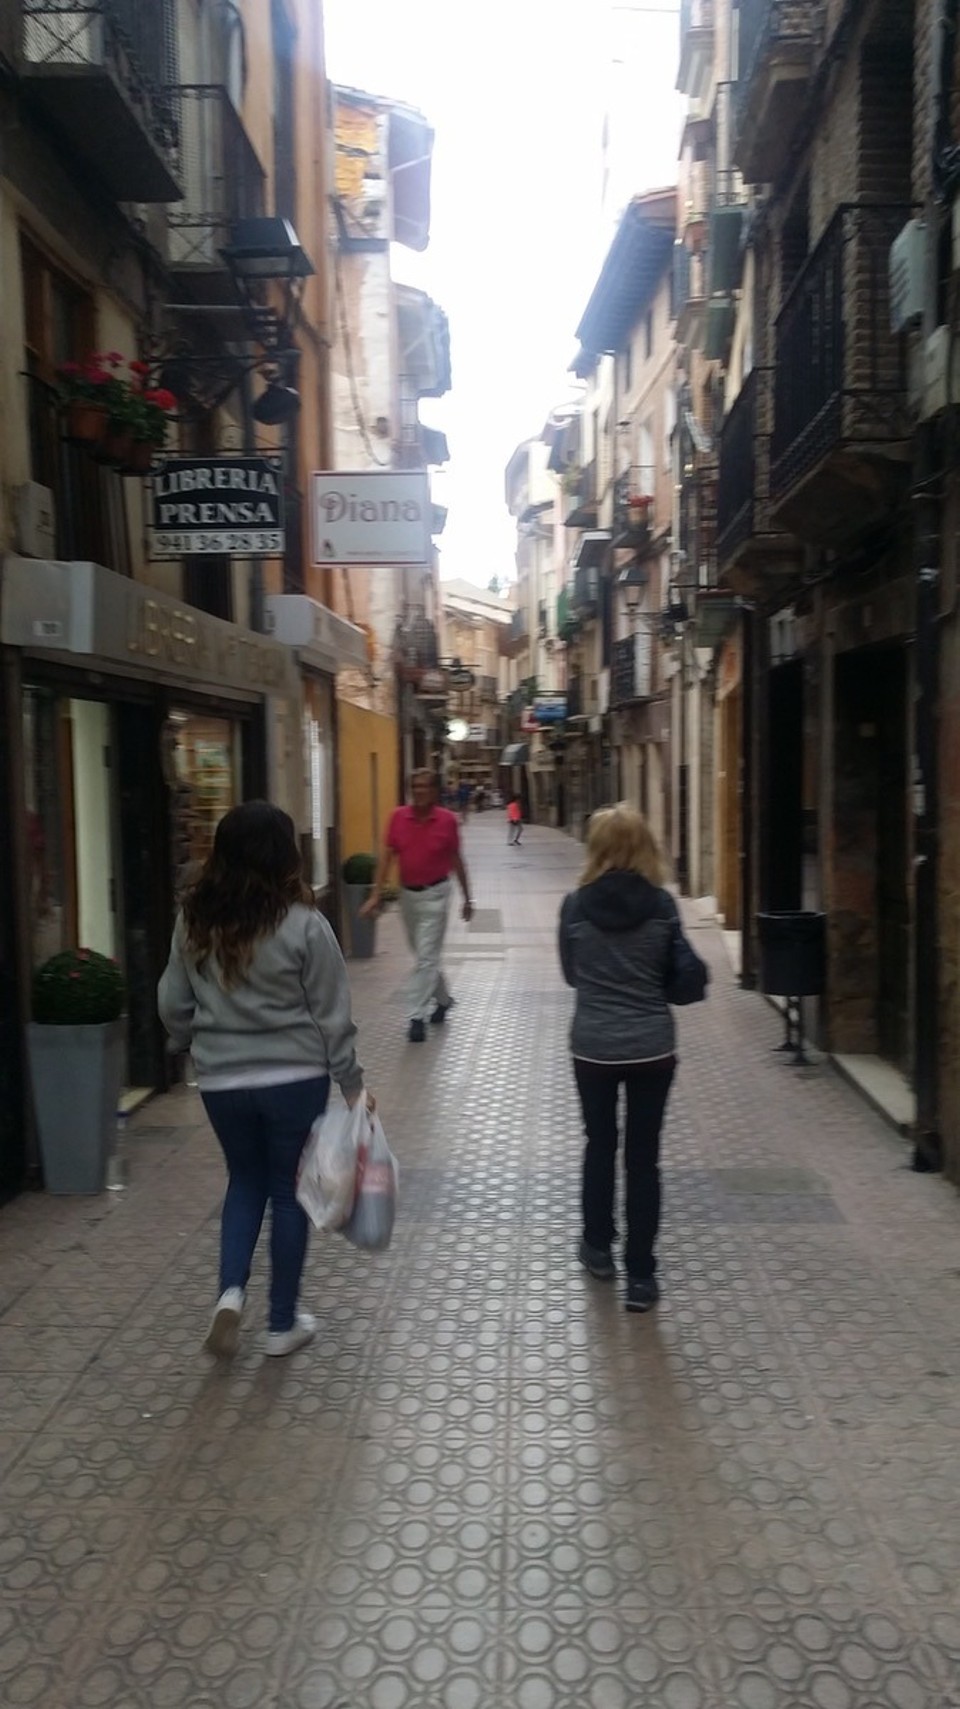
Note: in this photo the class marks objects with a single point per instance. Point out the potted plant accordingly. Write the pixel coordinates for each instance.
(149, 416)
(359, 871)
(75, 1048)
(84, 388)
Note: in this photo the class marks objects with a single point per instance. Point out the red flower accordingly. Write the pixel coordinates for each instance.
(69, 368)
(115, 358)
(98, 377)
(142, 369)
(161, 398)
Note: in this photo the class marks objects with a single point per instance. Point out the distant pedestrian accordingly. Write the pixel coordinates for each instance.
(257, 989)
(424, 839)
(463, 796)
(514, 821)
(623, 950)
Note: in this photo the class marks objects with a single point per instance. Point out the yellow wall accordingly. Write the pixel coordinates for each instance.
(363, 736)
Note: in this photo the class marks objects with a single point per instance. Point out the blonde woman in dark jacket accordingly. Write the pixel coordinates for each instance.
(623, 951)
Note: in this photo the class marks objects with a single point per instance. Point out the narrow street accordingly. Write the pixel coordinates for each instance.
(485, 1486)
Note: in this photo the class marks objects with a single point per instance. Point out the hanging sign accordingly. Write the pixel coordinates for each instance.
(216, 507)
(371, 517)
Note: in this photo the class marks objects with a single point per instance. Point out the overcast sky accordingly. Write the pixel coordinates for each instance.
(517, 91)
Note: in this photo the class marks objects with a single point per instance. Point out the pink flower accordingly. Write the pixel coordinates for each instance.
(70, 368)
(114, 358)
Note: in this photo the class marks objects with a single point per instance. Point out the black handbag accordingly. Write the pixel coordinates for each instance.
(687, 976)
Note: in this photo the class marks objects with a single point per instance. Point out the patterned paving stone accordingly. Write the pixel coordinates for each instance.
(484, 1484)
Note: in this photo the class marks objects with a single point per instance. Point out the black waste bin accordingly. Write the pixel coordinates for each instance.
(792, 953)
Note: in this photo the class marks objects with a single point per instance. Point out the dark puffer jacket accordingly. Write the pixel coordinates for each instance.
(621, 948)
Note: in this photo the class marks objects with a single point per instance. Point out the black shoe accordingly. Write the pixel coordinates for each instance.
(417, 1033)
(643, 1293)
(440, 1013)
(598, 1260)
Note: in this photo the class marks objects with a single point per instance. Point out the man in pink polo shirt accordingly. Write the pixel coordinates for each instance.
(424, 839)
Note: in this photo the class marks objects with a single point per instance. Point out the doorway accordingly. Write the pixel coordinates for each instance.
(870, 924)
(783, 842)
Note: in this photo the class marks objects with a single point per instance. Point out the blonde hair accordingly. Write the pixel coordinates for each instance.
(620, 840)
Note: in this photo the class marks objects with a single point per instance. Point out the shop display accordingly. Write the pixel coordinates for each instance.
(201, 773)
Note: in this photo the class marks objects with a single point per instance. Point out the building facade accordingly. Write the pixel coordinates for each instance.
(157, 208)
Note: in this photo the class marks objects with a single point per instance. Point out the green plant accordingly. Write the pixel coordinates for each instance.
(78, 988)
(360, 869)
(132, 406)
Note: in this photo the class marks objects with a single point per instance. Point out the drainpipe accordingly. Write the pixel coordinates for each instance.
(927, 496)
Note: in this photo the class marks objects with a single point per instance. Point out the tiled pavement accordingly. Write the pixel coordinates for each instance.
(485, 1485)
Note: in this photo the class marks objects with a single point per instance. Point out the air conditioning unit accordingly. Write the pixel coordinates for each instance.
(36, 521)
(908, 265)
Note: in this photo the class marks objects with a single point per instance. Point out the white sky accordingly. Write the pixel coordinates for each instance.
(516, 91)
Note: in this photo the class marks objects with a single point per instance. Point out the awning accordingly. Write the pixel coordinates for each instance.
(518, 753)
(322, 638)
(592, 549)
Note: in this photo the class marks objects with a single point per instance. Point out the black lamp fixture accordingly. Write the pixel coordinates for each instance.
(266, 248)
(265, 251)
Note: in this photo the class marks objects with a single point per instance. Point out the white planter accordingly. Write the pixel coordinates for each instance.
(77, 1075)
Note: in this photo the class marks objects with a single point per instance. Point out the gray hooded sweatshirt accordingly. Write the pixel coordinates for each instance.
(616, 950)
(290, 1010)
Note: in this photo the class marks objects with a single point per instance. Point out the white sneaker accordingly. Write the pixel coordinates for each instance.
(224, 1333)
(281, 1341)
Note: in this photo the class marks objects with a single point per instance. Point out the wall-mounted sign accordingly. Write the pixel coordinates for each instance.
(217, 507)
(372, 516)
(551, 709)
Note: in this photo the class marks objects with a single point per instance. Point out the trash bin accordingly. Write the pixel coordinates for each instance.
(792, 953)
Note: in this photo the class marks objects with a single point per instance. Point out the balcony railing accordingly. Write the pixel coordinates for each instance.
(102, 70)
(633, 502)
(223, 180)
(585, 593)
(776, 43)
(631, 668)
(840, 371)
(89, 503)
(738, 473)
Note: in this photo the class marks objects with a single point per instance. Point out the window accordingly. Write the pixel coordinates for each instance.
(627, 367)
(59, 326)
(648, 335)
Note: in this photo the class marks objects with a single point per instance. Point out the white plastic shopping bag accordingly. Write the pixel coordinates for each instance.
(375, 1205)
(327, 1177)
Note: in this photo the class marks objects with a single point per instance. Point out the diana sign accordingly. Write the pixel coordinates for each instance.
(217, 506)
(371, 517)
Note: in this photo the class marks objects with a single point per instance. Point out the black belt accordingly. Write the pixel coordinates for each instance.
(418, 888)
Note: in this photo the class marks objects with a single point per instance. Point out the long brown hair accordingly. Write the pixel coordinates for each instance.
(250, 881)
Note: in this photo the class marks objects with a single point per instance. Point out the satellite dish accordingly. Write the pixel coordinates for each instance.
(457, 730)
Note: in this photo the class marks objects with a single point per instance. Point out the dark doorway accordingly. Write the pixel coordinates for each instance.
(12, 1146)
(783, 864)
(147, 904)
(870, 924)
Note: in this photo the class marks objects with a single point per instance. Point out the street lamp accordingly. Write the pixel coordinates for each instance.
(267, 251)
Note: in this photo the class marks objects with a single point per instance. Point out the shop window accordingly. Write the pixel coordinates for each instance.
(89, 503)
(201, 766)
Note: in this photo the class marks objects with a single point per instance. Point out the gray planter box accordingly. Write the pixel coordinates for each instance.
(363, 933)
(77, 1076)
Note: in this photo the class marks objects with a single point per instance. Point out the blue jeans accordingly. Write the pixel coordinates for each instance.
(263, 1130)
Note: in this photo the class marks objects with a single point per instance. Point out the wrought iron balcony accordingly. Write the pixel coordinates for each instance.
(568, 624)
(223, 180)
(736, 489)
(585, 593)
(580, 485)
(633, 504)
(101, 71)
(631, 668)
(776, 48)
(840, 397)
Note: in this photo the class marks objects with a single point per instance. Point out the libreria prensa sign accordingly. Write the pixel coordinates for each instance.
(223, 506)
(371, 517)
